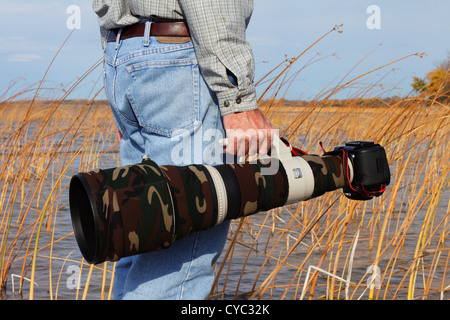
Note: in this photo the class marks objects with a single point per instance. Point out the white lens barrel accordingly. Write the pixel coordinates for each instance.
(221, 192)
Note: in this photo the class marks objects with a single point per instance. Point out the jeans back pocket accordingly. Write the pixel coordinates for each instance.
(164, 95)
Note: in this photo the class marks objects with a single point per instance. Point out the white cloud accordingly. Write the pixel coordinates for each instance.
(264, 41)
(22, 49)
(16, 7)
(16, 44)
(23, 57)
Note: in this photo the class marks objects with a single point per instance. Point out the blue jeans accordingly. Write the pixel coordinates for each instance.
(164, 109)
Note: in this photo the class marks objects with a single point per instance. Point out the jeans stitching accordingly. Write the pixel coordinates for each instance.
(153, 51)
(191, 260)
(114, 104)
(161, 63)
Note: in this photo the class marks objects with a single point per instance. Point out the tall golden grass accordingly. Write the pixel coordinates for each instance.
(391, 247)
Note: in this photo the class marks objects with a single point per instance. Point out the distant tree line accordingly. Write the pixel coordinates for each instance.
(436, 84)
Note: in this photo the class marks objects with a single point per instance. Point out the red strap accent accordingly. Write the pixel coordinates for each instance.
(294, 151)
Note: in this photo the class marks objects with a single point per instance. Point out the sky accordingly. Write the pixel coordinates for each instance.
(373, 35)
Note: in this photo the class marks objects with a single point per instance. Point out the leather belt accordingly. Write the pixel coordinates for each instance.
(162, 29)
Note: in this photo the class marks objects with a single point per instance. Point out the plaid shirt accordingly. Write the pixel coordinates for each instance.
(217, 30)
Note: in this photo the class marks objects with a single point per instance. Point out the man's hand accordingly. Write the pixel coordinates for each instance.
(248, 132)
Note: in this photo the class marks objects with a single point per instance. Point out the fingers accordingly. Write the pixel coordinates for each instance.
(248, 143)
(265, 141)
(249, 133)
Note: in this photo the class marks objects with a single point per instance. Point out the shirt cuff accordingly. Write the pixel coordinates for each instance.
(237, 101)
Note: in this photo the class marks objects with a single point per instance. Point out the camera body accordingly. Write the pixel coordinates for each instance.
(371, 172)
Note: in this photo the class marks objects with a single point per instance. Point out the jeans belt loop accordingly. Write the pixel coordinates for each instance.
(148, 26)
(105, 41)
(119, 33)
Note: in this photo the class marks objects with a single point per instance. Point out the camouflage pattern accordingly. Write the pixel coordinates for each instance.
(328, 173)
(260, 192)
(134, 210)
(145, 207)
(192, 198)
